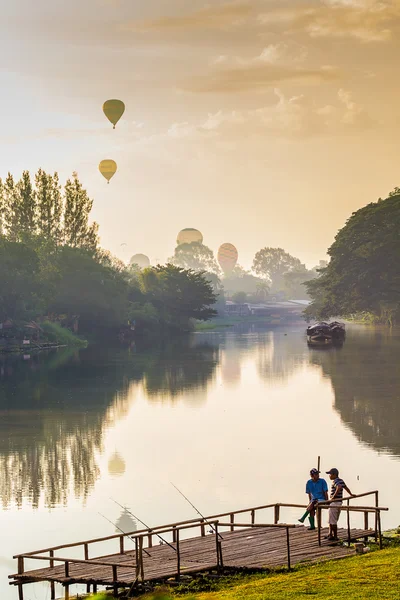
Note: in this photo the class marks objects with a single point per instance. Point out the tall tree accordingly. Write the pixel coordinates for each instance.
(49, 205)
(25, 207)
(10, 221)
(363, 274)
(77, 232)
(273, 263)
(195, 256)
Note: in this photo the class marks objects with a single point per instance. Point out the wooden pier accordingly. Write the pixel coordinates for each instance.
(216, 543)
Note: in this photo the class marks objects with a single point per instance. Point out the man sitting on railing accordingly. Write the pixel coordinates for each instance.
(338, 485)
(317, 490)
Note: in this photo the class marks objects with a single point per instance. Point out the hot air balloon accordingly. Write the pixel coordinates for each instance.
(141, 260)
(188, 236)
(116, 465)
(108, 168)
(227, 257)
(114, 109)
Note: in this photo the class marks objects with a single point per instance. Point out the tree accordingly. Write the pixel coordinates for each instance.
(19, 266)
(90, 291)
(294, 283)
(262, 291)
(178, 294)
(77, 232)
(273, 263)
(363, 274)
(241, 280)
(195, 256)
(49, 206)
(239, 297)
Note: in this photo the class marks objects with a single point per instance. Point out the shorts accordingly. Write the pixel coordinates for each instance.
(334, 513)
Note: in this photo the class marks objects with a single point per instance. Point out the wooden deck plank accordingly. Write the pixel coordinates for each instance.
(246, 548)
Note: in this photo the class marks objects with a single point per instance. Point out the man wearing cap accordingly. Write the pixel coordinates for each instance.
(338, 485)
(317, 490)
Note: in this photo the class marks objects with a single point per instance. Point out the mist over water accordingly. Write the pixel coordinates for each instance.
(234, 418)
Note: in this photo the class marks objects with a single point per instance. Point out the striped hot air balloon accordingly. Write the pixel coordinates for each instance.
(227, 257)
(188, 236)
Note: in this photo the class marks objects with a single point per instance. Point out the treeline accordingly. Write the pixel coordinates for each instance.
(274, 273)
(52, 268)
(362, 279)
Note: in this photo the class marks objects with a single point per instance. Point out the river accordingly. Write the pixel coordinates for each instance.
(234, 418)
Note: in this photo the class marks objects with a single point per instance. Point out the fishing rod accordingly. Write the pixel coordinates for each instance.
(119, 529)
(164, 541)
(197, 510)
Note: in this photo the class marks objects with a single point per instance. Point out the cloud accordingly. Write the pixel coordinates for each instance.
(294, 117)
(364, 20)
(256, 75)
(223, 17)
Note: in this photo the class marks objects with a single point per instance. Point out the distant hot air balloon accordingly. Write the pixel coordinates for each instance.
(141, 260)
(114, 109)
(227, 257)
(108, 168)
(188, 236)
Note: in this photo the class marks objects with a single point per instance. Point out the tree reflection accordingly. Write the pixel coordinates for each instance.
(280, 354)
(365, 377)
(55, 408)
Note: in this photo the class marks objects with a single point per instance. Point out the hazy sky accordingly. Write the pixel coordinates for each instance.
(259, 122)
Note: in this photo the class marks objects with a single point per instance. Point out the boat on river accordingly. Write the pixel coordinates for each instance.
(326, 334)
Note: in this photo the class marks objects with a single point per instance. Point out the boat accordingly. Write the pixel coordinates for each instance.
(326, 334)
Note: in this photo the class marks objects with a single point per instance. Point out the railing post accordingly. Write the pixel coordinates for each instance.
(366, 525)
(232, 520)
(319, 523)
(52, 591)
(253, 517)
(217, 544)
(136, 552)
(115, 580)
(66, 569)
(288, 548)
(348, 523)
(20, 592)
(20, 565)
(276, 513)
(174, 534)
(178, 556)
(202, 528)
(376, 515)
(51, 552)
(150, 540)
(141, 557)
(86, 549)
(121, 545)
(379, 529)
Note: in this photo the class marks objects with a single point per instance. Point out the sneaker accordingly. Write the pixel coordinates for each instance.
(311, 528)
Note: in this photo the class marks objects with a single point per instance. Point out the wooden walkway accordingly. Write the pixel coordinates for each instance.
(232, 545)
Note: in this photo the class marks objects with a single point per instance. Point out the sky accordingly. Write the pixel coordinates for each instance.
(258, 122)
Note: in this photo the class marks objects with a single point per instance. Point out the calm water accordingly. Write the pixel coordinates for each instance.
(233, 418)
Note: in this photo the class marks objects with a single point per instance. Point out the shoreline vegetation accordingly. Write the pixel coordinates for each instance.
(59, 287)
(373, 575)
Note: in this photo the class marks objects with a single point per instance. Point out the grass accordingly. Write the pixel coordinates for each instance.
(60, 335)
(373, 576)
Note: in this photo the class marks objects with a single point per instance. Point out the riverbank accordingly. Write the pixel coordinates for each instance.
(373, 576)
(49, 335)
(225, 322)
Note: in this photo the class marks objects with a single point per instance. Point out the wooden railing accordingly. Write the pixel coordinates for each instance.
(139, 537)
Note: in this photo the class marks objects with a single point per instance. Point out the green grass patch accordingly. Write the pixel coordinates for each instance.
(60, 335)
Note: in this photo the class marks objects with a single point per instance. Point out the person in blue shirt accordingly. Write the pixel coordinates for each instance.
(317, 490)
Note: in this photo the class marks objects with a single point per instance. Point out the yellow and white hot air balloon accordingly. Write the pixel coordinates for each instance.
(108, 168)
(189, 236)
(113, 109)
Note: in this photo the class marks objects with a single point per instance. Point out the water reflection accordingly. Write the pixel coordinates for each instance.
(55, 408)
(365, 377)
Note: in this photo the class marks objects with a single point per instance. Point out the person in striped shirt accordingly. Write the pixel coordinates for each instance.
(338, 485)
